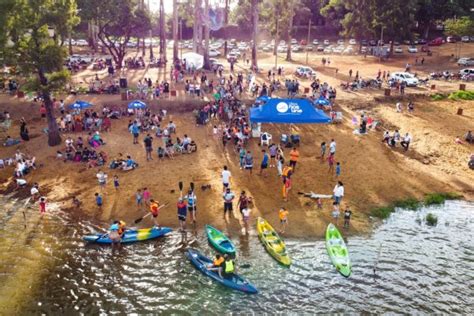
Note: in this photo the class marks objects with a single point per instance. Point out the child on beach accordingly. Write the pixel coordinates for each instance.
(98, 200)
(246, 218)
(331, 163)
(338, 169)
(283, 215)
(139, 198)
(116, 182)
(146, 196)
(42, 205)
(323, 150)
(335, 211)
(319, 203)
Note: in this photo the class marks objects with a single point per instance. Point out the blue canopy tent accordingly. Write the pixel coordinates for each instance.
(79, 105)
(137, 104)
(289, 111)
(322, 101)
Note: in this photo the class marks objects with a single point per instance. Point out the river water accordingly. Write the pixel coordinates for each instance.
(419, 269)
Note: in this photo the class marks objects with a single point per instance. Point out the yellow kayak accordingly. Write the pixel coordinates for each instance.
(272, 242)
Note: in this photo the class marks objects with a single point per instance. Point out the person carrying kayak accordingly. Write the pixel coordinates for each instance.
(228, 267)
(217, 264)
(191, 199)
(182, 210)
(122, 228)
(154, 209)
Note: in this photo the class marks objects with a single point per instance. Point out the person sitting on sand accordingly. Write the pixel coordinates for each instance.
(471, 162)
(458, 140)
(129, 164)
(11, 142)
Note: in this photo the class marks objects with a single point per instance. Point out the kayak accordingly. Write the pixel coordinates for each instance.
(132, 235)
(219, 241)
(236, 282)
(272, 242)
(337, 250)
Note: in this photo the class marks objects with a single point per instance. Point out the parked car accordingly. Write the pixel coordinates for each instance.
(326, 42)
(412, 49)
(303, 42)
(294, 41)
(398, 50)
(315, 42)
(349, 50)
(340, 42)
(296, 48)
(81, 42)
(451, 39)
(465, 61)
(267, 48)
(405, 77)
(422, 41)
(436, 42)
(214, 53)
(352, 41)
(467, 71)
(327, 50)
(232, 57)
(82, 59)
(309, 48)
(303, 71)
(320, 48)
(363, 49)
(372, 43)
(465, 39)
(363, 42)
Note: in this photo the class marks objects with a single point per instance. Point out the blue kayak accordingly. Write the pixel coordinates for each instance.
(130, 236)
(236, 282)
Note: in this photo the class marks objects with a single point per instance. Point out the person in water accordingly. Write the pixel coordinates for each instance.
(114, 234)
(217, 264)
(228, 268)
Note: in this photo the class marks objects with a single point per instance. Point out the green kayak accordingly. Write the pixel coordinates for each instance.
(337, 250)
(219, 241)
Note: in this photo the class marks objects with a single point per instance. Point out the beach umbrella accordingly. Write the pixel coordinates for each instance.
(322, 101)
(137, 104)
(79, 105)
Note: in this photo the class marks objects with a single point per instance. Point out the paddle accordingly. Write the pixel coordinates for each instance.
(194, 203)
(180, 185)
(138, 220)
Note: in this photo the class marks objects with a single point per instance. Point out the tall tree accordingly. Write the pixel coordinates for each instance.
(207, 64)
(254, 33)
(175, 30)
(197, 27)
(29, 39)
(162, 32)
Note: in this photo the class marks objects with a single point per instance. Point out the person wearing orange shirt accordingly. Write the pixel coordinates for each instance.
(154, 209)
(283, 215)
(294, 156)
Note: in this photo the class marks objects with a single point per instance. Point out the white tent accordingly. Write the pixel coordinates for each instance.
(193, 59)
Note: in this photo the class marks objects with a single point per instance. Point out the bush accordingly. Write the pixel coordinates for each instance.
(431, 219)
(440, 198)
(382, 212)
(410, 203)
(438, 97)
(461, 95)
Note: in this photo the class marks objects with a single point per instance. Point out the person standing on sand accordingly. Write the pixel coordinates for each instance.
(294, 156)
(323, 151)
(146, 196)
(116, 182)
(338, 169)
(331, 163)
(332, 147)
(347, 217)
(338, 192)
(148, 146)
(246, 218)
(335, 211)
(225, 175)
(286, 188)
(248, 162)
(192, 207)
(102, 178)
(154, 209)
(42, 206)
(228, 200)
(98, 200)
(283, 216)
(135, 131)
(139, 198)
(264, 163)
(243, 202)
(273, 153)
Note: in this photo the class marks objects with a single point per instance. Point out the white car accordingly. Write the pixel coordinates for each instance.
(282, 49)
(294, 41)
(328, 50)
(83, 59)
(338, 50)
(363, 50)
(232, 57)
(466, 61)
(214, 53)
(81, 42)
(309, 48)
(315, 42)
(340, 42)
(236, 52)
(405, 77)
(465, 39)
(296, 48)
(303, 71)
(349, 50)
(467, 71)
(412, 49)
(326, 42)
(352, 41)
(398, 50)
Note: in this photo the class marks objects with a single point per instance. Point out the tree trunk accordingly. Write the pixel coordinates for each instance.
(255, 32)
(226, 21)
(144, 47)
(175, 30)
(275, 47)
(197, 25)
(54, 138)
(290, 29)
(151, 45)
(207, 64)
(70, 43)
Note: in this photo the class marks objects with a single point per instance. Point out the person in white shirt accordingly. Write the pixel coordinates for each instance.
(405, 143)
(332, 147)
(102, 177)
(399, 107)
(338, 192)
(34, 191)
(226, 175)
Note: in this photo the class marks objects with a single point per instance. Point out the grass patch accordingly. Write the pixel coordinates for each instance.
(440, 198)
(384, 212)
(438, 97)
(431, 219)
(461, 95)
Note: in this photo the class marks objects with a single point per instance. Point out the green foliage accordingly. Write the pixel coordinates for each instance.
(459, 27)
(431, 219)
(413, 204)
(438, 97)
(461, 95)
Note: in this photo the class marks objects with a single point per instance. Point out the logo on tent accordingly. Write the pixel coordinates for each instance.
(282, 107)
